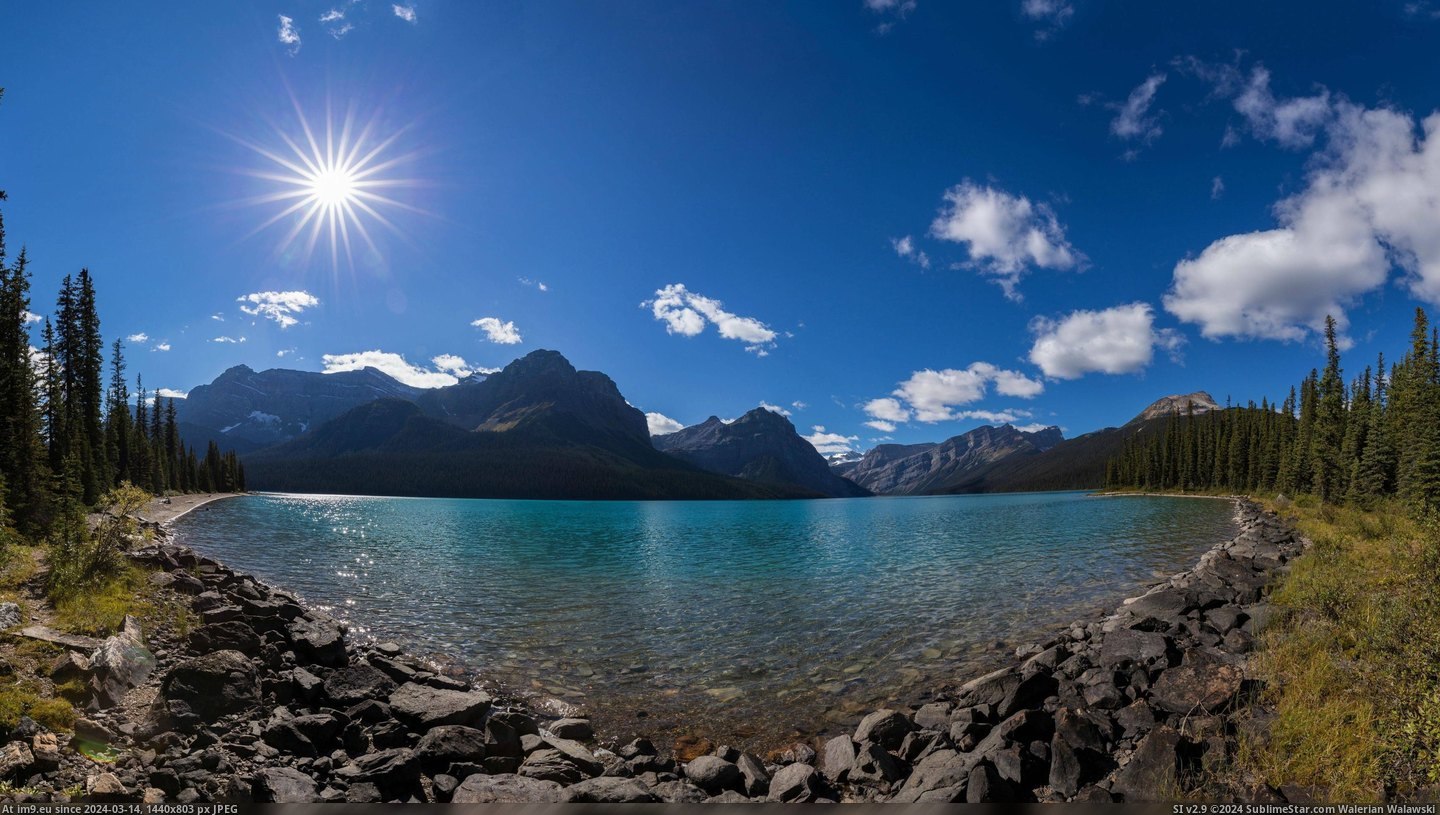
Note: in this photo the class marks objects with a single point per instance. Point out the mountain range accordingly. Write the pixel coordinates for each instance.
(539, 428)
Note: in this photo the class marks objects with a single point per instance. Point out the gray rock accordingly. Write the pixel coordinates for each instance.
(233, 635)
(757, 778)
(549, 764)
(447, 744)
(120, 663)
(1135, 719)
(1126, 646)
(940, 777)
(796, 783)
(16, 759)
(574, 729)
(211, 686)
(395, 771)
(934, 716)
(284, 785)
(506, 789)
(679, 792)
(576, 753)
(837, 758)
(874, 764)
(1202, 685)
(714, 775)
(605, 790)
(986, 786)
(354, 684)
(319, 641)
(425, 707)
(886, 728)
(1152, 771)
(1064, 768)
(10, 615)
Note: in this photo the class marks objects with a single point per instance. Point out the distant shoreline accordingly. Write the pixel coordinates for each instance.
(163, 511)
(1165, 495)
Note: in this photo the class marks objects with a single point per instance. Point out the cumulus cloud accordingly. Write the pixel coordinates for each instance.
(1117, 340)
(171, 393)
(661, 425)
(284, 352)
(232, 340)
(1006, 235)
(933, 396)
(161, 346)
(1293, 122)
(1371, 201)
(453, 364)
(1033, 427)
(905, 248)
(30, 317)
(829, 443)
(218, 317)
(289, 35)
(502, 333)
(881, 425)
(406, 13)
(280, 306)
(1133, 119)
(775, 408)
(395, 365)
(139, 336)
(687, 313)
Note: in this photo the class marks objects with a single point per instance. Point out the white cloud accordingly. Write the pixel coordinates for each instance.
(799, 405)
(1004, 234)
(335, 23)
(1034, 427)
(661, 425)
(894, 10)
(138, 337)
(887, 409)
(503, 333)
(1054, 14)
(30, 317)
(525, 281)
(161, 346)
(289, 35)
(828, 443)
(1117, 340)
(218, 317)
(284, 352)
(775, 408)
(932, 396)
(389, 363)
(881, 425)
(279, 306)
(406, 13)
(450, 363)
(171, 393)
(332, 15)
(905, 248)
(687, 313)
(1132, 119)
(1371, 201)
(1291, 122)
(229, 340)
(1217, 188)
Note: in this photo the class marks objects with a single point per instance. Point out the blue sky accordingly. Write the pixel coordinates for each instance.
(892, 218)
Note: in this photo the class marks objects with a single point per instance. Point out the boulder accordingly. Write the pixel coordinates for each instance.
(425, 707)
(938, 778)
(1201, 685)
(796, 783)
(934, 716)
(70, 667)
(757, 778)
(105, 788)
(447, 744)
(120, 663)
(1153, 769)
(10, 615)
(606, 790)
(886, 728)
(574, 729)
(394, 772)
(714, 775)
(1064, 768)
(506, 789)
(211, 686)
(318, 641)
(874, 764)
(679, 792)
(837, 758)
(549, 764)
(284, 785)
(1126, 646)
(354, 684)
(232, 635)
(16, 759)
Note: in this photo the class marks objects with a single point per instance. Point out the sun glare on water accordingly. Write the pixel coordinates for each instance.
(331, 185)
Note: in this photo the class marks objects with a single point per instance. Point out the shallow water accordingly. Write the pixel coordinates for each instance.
(749, 622)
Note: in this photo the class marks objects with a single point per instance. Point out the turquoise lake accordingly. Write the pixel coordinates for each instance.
(748, 622)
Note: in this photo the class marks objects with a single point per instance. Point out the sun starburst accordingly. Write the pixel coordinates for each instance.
(332, 185)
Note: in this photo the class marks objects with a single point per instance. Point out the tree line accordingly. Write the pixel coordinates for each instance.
(66, 437)
(1373, 437)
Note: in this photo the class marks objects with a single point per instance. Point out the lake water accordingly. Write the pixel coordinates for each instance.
(748, 622)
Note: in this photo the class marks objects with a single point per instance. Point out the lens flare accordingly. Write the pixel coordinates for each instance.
(332, 185)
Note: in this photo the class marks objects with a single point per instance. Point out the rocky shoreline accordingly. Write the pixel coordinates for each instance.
(265, 700)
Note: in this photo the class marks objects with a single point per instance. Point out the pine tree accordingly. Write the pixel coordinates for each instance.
(1329, 422)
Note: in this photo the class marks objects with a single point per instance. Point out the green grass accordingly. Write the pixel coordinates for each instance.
(1352, 659)
(19, 699)
(100, 609)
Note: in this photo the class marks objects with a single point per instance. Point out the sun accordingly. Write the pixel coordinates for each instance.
(332, 184)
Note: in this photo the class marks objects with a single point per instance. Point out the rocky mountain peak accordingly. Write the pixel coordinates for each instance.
(1178, 405)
